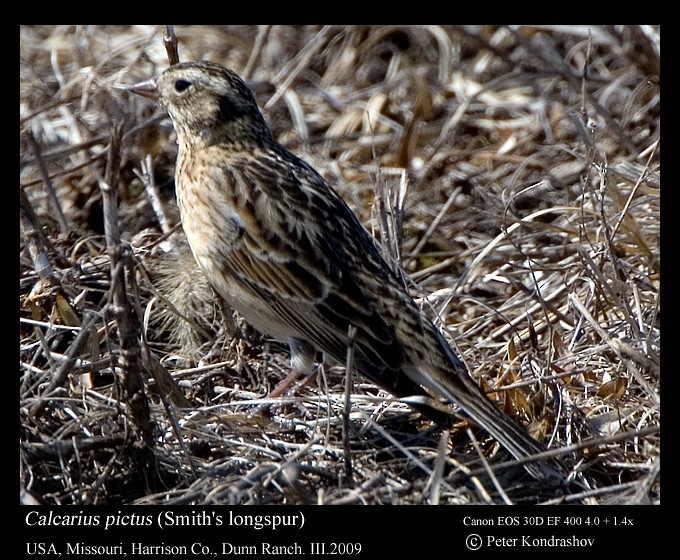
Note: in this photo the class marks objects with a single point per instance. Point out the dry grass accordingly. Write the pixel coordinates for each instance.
(529, 226)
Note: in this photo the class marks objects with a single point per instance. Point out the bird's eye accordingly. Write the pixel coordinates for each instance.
(181, 85)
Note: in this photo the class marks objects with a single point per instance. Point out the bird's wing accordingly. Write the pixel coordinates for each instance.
(302, 250)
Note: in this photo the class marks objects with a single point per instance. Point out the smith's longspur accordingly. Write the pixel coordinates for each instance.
(283, 248)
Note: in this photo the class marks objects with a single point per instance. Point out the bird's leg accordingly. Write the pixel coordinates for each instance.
(282, 386)
(302, 358)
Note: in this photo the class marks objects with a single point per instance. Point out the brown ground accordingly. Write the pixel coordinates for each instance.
(523, 194)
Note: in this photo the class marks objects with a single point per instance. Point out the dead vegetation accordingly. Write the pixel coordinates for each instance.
(513, 170)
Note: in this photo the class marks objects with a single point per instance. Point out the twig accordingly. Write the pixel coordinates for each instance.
(633, 192)
(63, 449)
(36, 241)
(349, 367)
(593, 443)
(291, 70)
(618, 347)
(133, 394)
(262, 34)
(147, 178)
(435, 480)
(59, 377)
(170, 44)
(51, 194)
(487, 468)
(435, 223)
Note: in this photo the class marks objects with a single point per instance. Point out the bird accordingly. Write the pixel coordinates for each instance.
(279, 244)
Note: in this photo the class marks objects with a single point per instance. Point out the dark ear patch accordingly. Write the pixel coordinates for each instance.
(228, 110)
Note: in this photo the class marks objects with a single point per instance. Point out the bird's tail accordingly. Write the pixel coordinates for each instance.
(455, 384)
(483, 412)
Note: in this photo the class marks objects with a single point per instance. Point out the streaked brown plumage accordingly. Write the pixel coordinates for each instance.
(282, 248)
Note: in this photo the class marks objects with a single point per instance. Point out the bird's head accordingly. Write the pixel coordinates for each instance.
(207, 103)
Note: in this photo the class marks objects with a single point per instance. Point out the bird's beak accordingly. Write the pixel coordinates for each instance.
(146, 89)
